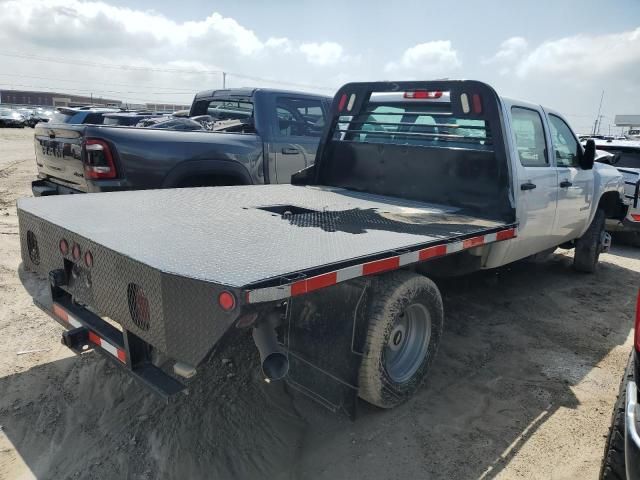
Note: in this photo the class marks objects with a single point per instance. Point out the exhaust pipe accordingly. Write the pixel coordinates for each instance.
(275, 363)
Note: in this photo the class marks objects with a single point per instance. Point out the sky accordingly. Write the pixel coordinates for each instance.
(562, 53)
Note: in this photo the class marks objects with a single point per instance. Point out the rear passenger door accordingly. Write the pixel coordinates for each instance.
(298, 125)
(536, 186)
(575, 192)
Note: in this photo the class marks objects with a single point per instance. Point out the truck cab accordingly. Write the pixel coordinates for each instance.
(556, 194)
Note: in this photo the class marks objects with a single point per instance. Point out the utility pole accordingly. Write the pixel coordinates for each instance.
(598, 117)
(224, 79)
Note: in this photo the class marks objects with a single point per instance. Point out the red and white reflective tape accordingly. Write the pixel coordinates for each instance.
(94, 338)
(300, 287)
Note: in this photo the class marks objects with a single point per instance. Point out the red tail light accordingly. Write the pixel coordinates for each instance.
(422, 94)
(636, 336)
(98, 160)
(636, 217)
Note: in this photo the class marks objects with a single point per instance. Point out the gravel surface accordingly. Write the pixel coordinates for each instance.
(523, 386)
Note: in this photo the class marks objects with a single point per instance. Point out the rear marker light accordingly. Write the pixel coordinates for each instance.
(422, 94)
(227, 301)
(75, 251)
(343, 101)
(64, 247)
(636, 217)
(464, 101)
(88, 259)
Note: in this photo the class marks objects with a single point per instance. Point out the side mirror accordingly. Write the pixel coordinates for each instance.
(588, 156)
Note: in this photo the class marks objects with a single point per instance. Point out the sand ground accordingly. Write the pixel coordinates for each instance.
(523, 386)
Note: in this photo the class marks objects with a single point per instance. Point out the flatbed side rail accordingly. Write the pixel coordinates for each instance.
(380, 265)
(635, 184)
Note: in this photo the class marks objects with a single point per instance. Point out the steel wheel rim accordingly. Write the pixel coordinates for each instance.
(408, 343)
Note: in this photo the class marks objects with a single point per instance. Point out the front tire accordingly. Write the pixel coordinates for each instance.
(403, 334)
(589, 245)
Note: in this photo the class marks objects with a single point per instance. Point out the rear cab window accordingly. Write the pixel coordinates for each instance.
(391, 119)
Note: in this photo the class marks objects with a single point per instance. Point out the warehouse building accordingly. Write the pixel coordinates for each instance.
(53, 99)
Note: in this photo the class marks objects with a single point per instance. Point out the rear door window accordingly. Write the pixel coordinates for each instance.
(299, 117)
(530, 140)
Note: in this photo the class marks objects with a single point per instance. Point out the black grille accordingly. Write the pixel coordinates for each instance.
(32, 247)
(138, 306)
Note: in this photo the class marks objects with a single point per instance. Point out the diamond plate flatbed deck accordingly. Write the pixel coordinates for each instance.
(223, 234)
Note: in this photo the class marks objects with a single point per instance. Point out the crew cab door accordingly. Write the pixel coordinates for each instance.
(297, 127)
(575, 193)
(536, 187)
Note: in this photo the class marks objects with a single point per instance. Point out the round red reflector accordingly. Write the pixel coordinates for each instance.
(75, 251)
(227, 301)
(88, 259)
(64, 246)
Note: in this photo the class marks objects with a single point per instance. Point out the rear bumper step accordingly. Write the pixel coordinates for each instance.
(86, 331)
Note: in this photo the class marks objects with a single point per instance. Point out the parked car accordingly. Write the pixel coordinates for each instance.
(29, 116)
(411, 180)
(262, 136)
(622, 449)
(11, 118)
(625, 156)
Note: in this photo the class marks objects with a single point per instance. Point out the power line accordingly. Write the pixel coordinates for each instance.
(99, 90)
(154, 69)
(93, 81)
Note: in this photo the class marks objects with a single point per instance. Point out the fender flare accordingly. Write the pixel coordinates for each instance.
(192, 168)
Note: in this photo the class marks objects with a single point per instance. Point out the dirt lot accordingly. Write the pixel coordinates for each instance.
(523, 387)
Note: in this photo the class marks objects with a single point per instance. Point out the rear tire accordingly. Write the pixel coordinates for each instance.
(403, 334)
(589, 245)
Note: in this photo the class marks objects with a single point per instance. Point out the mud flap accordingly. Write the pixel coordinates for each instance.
(323, 334)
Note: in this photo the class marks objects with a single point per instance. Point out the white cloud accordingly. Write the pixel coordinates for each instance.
(282, 44)
(325, 53)
(510, 50)
(430, 58)
(103, 33)
(582, 55)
